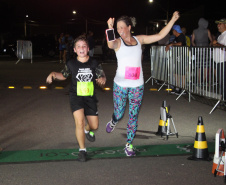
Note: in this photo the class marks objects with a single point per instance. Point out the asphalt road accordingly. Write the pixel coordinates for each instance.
(33, 119)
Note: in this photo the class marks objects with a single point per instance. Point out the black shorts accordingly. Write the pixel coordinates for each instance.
(88, 103)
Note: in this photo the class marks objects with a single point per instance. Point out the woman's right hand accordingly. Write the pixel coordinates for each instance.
(110, 22)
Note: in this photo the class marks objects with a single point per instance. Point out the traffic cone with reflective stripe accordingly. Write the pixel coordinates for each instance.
(162, 128)
(200, 151)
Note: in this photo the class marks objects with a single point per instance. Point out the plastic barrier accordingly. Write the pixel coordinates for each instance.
(197, 70)
(24, 50)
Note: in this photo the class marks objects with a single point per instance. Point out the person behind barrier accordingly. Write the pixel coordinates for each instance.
(164, 41)
(69, 41)
(128, 81)
(85, 71)
(188, 38)
(179, 40)
(220, 55)
(202, 37)
(64, 47)
(61, 50)
(91, 43)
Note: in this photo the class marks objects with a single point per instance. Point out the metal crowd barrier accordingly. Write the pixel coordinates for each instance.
(197, 70)
(24, 50)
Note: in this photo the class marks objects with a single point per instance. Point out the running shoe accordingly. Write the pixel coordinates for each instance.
(90, 136)
(110, 126)
(82, 156)
(129, 150)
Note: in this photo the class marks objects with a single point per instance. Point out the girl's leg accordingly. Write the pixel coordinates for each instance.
(135, 96)
(79, 127)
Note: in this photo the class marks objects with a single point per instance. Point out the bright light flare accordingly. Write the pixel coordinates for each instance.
(107, 88)
(42, 87)
(168, 89)
(11, 87)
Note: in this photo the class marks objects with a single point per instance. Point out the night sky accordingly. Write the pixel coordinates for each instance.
(60, 11)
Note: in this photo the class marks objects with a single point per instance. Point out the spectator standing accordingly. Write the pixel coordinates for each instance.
(188, 39)
(220, 55)
(61, 50)
(69, 47)
(91, 43)
(179, 40)
(64, 47)
(164, 41)
(202, 37)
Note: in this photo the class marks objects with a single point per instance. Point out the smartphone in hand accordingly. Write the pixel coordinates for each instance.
(110, 35)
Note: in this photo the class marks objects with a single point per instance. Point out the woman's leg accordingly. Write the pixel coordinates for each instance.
(119, 98)
(135, 96)
(79, 118)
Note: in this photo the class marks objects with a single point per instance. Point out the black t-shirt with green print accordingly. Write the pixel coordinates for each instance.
(81, 73)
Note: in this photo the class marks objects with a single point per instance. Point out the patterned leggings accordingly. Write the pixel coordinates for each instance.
(135, 95)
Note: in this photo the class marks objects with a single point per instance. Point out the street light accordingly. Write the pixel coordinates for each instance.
(25, 26)
(86, 23)
(165, 10)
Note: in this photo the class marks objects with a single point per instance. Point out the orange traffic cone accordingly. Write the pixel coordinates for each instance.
(200, 151)
(162, 127)
(219, 156)
(218, 170)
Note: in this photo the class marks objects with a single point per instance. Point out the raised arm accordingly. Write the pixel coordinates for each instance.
(148, 39)
(113, 44)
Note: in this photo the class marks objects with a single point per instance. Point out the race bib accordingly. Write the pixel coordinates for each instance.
(132, 73)
(85, 88)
